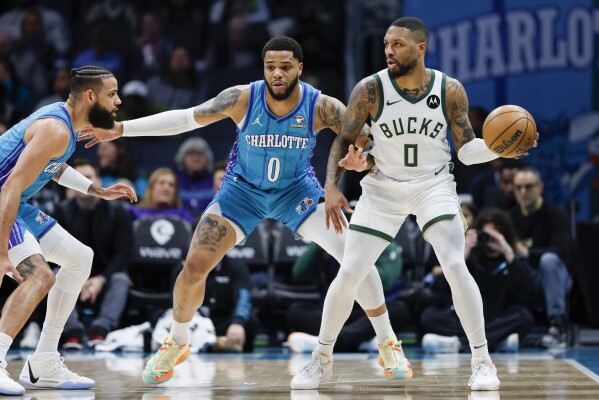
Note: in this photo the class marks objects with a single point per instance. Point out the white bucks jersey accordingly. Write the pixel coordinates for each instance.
(410, 134)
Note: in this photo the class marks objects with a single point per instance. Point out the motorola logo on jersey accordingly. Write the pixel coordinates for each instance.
(433, 101)
(53, 168)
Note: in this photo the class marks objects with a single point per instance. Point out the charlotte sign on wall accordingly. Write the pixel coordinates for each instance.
(541, 55)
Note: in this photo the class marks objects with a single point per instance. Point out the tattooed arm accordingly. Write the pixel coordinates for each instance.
(456, 102)
(470, 150)
(329, 112)
(230, 103)
(363, 99)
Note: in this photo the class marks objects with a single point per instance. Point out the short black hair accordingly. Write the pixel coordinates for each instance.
(414, 25)
(88, 77)
(284, 43)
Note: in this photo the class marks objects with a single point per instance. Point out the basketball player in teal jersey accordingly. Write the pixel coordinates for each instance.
(411, 108)
(269, 176)
(31, 153)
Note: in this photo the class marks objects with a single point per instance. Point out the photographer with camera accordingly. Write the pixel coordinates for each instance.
(501, 274)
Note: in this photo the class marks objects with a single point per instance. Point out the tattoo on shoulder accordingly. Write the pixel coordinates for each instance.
(361, 102)
(223, 102)
(457, 109)
(210, 232)
(329, 112)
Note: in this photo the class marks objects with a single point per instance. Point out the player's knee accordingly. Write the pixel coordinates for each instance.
(196, 270)
(348, 279)
(454, 269)
(41, 276)
(86, 258)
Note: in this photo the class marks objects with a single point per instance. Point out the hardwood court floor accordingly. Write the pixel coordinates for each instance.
(356, 376)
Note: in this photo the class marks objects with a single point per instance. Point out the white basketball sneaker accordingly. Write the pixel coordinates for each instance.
(484, 376)
(318, 370)
(7, 385)
(52, 374)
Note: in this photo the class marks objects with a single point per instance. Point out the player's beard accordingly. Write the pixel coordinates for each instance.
(285, 95)
(403, 69)
(100, 117)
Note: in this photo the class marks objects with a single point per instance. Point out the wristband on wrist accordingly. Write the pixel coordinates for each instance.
(74, 180)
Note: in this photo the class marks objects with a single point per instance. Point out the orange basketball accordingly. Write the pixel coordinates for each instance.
(509, 131)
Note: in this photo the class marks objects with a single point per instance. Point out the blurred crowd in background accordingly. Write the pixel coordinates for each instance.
(172, 54)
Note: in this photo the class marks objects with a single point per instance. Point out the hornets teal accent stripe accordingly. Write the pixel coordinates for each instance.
(437, 219)
(381, 97)
(370, 231)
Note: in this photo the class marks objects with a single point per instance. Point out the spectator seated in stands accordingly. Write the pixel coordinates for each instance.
(500, 274)
(104, 226)
(135, 102)
(544, 238)
(152, 48)
(161, 197)
(115, 162)
(195, 162)
(177, 86)
(61, 87)
(303, 319)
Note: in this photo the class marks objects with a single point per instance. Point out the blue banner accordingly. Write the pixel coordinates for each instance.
(541, 55)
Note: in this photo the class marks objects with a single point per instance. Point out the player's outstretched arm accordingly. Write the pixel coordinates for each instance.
(362, 100)
(73, 179)
(470, 150)
(46, 139)
(230, 103)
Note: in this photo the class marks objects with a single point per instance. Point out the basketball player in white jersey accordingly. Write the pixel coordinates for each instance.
(410, 108)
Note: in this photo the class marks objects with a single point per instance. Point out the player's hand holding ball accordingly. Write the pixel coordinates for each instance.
(510, 131)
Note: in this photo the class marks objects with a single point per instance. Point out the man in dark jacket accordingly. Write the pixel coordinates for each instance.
(500, 273)
(543, 231)
(106, 227)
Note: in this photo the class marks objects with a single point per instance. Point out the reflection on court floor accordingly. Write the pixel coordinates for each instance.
(356, 376)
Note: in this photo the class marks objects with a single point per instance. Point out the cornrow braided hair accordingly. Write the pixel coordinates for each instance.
(88, 77)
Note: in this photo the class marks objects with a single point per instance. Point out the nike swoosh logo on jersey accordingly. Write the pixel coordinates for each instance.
(32, 378)
(391, 103)
(436, 173)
